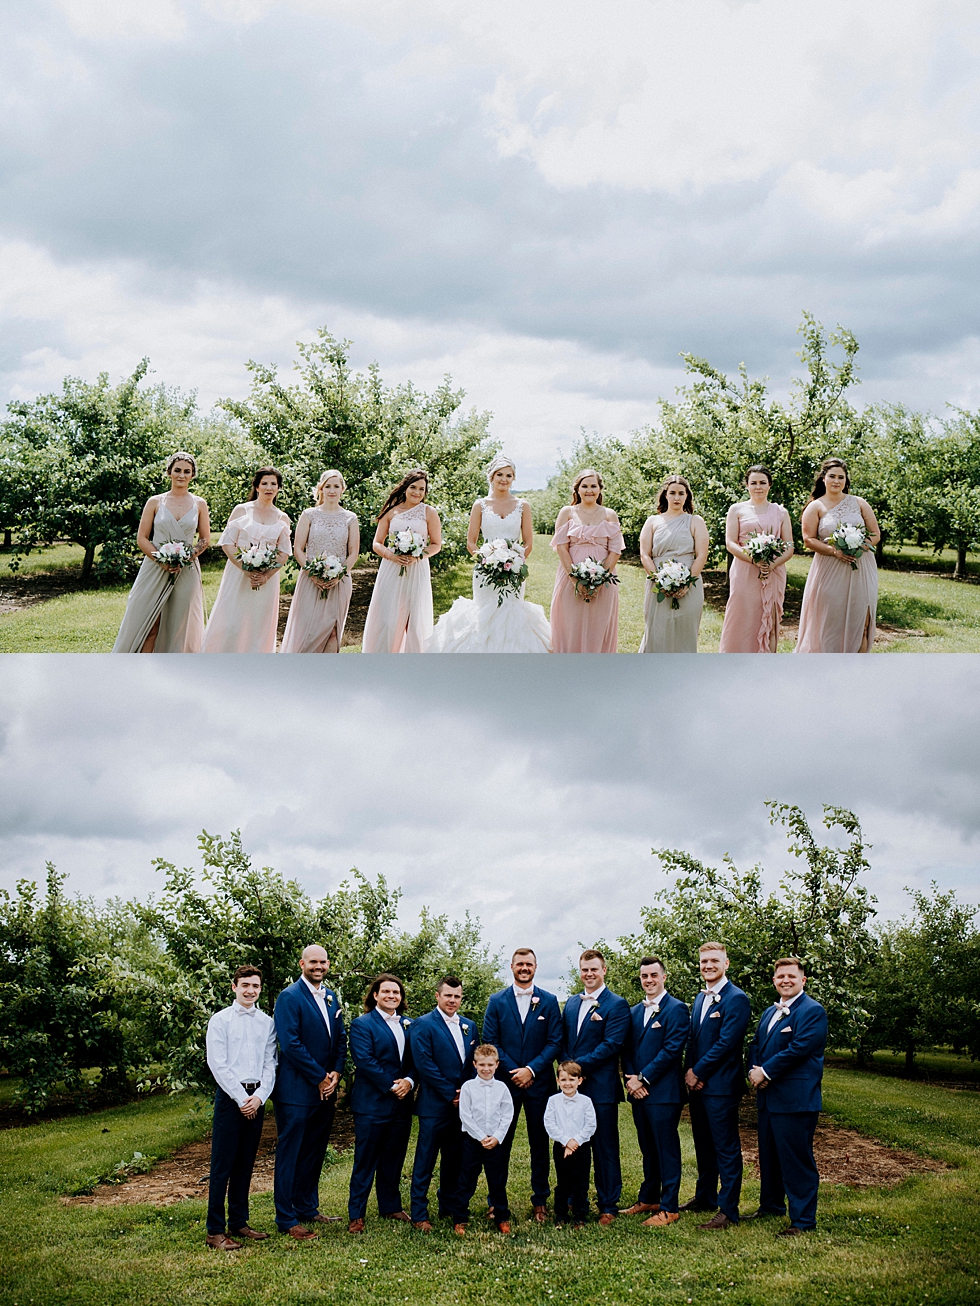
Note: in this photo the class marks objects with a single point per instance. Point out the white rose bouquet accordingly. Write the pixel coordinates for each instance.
(670, 577)
(174, 553)
(764, 547)
(259, 557)
(328, 567)
(407, 544)
(851, 540)
(501, 564)
(590, 576)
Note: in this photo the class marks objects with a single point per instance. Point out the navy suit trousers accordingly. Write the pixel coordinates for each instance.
(660, 1146)
(714, 1124)
(605, 1157)
(538, 1142)
(786, 1165)
(439, 1137)
(304, 1132)
(234, 1143)
(379, 1154)
(572, 1183)
(491, 1161)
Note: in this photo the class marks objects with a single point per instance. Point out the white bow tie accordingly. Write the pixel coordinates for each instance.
(782, 1008)
(246, 1011)
(652, 1002)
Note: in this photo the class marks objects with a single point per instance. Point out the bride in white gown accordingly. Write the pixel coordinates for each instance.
(481, 624)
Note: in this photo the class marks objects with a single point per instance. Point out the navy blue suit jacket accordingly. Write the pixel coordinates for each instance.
(598, 1045)
(792, 1056)
(655, 1051)
(714, 1051)
(306, 1052)
(377, 1064)
(534, 1043)
(439, 1072)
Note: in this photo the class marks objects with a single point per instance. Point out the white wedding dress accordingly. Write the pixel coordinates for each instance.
(480, 624)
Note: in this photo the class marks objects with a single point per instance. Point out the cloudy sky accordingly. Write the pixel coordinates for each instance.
(529, 791)
(550, 200)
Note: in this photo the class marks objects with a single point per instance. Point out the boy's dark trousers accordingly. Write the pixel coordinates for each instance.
(491, 1160)
(234, 1143)
(572, 1182)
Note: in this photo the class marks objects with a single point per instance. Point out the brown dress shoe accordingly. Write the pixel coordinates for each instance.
(301, 1233)
(246, 1232)
(356, 1226)
(661, 1220)
(503, 1227)
(423, 1226)
(579, 1224)
(222, 1243)
(606, 1218)
(324, 1219)
(719, 1221)
(398, 1215)
(692, 1205)
(540, 1214)
(460, 1230)
(641, 1208)
(791, 1230)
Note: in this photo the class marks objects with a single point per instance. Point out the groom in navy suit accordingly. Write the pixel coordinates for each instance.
(715, 1081)
(312, 1049)
(654, 1067)
(442, 1044)
(786, 1060)
(596, 1025)
(523, 1023)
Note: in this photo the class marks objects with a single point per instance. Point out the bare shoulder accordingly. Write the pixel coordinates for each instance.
(564, 514)
(611, 516)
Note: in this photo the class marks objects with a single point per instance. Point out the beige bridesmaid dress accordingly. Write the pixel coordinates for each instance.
(245, 620)
(839, 601)
(400, 617)
(177, 600)
(315, 615)
(669, 629)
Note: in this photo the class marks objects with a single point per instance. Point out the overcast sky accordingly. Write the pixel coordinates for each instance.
(529, 791)
(550, 200)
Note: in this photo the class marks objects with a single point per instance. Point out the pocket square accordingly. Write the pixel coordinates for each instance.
(596, 1016)
(656, 1025)
(787, 1029)
(715, 1015)
(541, 1018)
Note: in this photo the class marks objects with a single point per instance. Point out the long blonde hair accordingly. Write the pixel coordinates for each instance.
(324, 477)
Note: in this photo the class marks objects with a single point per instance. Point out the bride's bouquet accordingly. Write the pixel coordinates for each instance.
(259, 557)
(764, 547)
(590, 576)
(174, 553)
(329, 567)
(851, 540)
(670, 577)
(407, 544)
(500, 563)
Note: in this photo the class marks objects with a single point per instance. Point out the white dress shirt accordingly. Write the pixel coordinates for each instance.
(394, 1023)
(566, 1118)
(241, 1049)
(588, 1004)
(320, 994)
(523, 997)
(781, 1009)
(714, 989)
(651, 1008)
(486, 1109)
(455, 1030)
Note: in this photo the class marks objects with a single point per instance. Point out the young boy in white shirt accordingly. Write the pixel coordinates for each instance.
(486, 1109)
(570, 1121)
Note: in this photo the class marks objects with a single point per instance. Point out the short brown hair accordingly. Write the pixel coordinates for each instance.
(449, 982)
(571, 1068)
(243, 972)
(789, 961)
(652, 961)
(592, 954)
(713, 946)
(371, 997)
(486, 1052)
(523, 952)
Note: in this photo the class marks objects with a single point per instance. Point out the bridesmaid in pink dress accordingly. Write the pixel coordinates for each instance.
(756, 591)
(585, 529)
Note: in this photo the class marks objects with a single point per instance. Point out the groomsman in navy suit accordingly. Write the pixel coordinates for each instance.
(381, 1101)
(442, 1044)
(312, 1049)
(596, 1026)
(523, 1023)
(654, 1067)
(786, 1060)
(715, 1081)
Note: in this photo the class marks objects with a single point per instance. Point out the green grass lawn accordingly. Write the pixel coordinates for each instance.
(940, 614)
(917, 1243)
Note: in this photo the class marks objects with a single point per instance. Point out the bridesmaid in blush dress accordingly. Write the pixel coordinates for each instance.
(165, 609)
(756, 590)
(839, 600)
(585, 529)
(675, 534)
(318, 612)
(245, 615)
(399, 618)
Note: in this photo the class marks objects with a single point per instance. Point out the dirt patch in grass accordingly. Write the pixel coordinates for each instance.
(35, 587)
(185, 1174)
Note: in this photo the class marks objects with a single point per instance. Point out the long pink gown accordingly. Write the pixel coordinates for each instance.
(755, 605)
(315, 615)
(244, 620)
(839, 602)
(399, 618)
(577, 626)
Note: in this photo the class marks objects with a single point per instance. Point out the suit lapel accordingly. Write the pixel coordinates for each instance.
(515, 1009)
(387, 1029)
(438, 1018)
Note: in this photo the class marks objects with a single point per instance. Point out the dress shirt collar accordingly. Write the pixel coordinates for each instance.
(655, 1002)
(594, 997)
(486, 1083)
(318, 991)
(450, 1020)
(570, 1100)
(523, 993)
(392, 1019)
(239, 1010)
(717, 986)
(788, 1002)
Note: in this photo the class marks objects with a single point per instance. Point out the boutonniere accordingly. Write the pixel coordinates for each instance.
(466, 1029)
(330, 999)
(535, 1000)
(405, 1022)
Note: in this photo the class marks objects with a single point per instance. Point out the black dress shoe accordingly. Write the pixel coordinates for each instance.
(760, 1214)
(692, 1205)
(791, 1231)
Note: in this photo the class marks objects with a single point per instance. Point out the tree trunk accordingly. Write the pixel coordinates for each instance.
(87, 562)
(959, 571)
(728, 574)
(6, 539)
(910, 1056)
(880, 550)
